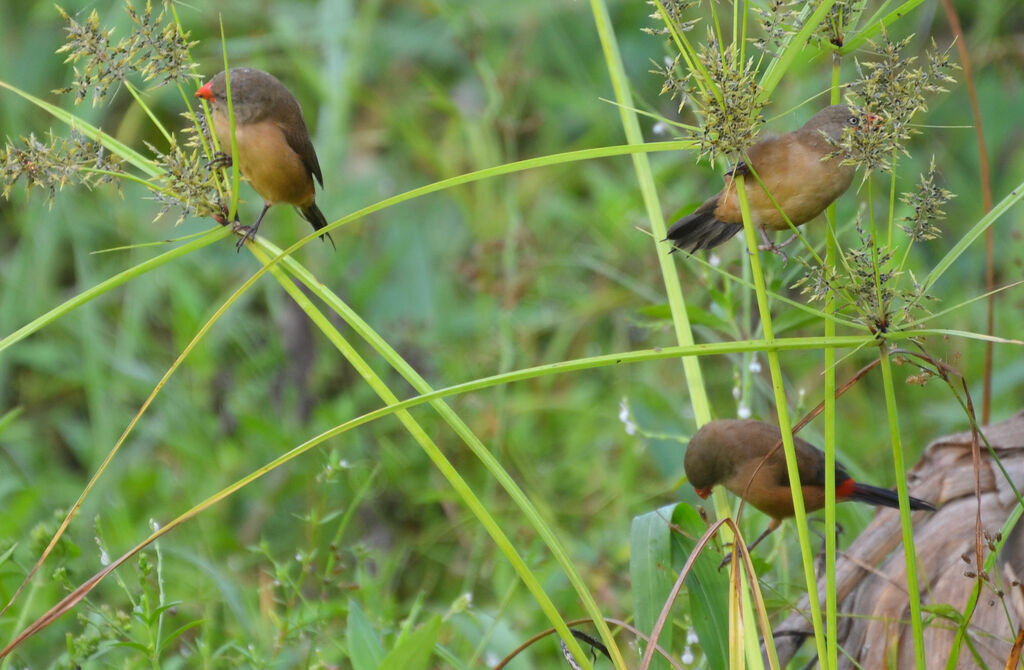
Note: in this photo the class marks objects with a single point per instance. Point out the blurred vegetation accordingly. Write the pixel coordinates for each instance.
(362, 537)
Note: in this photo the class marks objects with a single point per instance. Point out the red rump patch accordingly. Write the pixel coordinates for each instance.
(703, 493)
(846, 488)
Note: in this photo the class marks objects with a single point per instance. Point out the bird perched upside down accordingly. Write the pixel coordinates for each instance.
(275, 152)
(746, 457)
(794, 171)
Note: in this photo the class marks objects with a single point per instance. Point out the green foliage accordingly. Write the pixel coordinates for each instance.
(383, 548)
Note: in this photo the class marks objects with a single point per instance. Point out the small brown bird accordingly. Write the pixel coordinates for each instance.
(794, 171)
(746, 457)
(274, 150)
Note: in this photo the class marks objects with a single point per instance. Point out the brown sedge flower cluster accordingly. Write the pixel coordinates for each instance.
(154, 49)
(53, 164)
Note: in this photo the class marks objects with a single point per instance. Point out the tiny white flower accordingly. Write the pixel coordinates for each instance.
(743, 411)
(624, 417)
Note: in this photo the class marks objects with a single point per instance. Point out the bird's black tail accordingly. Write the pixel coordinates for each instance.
(701, 230)
(874, 495)
(317, 219)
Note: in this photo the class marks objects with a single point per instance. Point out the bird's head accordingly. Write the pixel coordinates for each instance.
(705, 462)
(835, 119)
(253, 93)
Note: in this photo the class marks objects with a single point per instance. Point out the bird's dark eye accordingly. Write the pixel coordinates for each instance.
(853, 120)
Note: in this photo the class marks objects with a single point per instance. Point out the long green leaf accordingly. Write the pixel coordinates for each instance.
(489, 523)
(707, 586)
(650, 555)
(976, 231)
(364, 648)
(414, 652)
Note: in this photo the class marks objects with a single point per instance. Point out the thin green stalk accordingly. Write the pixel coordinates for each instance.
(904, 499)
(875, 25)
(879, 11)
(973, 234)
(235, 169)
(66, 307)
(684, 47)
(892, 207)
(779, 66)
(831, 659)
(149, 112)
(718, 31)
(883, 309)
(785, 427)
(952, 332)
(960, 305)
(747, 310)
(188, 99)
(831, 605)
(677, 304)
(608, 360)
(740, 28)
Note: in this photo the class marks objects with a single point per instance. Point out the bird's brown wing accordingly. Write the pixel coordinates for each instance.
(811, 463)
(297, 136)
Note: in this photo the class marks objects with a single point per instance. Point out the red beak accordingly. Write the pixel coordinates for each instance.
(205, 92)
(872, 120)
(703, 493)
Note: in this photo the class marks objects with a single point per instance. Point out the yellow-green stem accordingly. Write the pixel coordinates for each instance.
(235, 175)
(684, 47)
(882, 314)
(631, 126)
(785, 426)
(831, 658)
(149, 112)
(904, 498)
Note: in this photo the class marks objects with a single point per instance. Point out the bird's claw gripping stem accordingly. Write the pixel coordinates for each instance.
(219, 160)
(247, 233)
(775, 248)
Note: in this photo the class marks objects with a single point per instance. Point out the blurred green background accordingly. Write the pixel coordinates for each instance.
(537, 267)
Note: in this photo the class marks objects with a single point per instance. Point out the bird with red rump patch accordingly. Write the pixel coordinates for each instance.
(746, 457)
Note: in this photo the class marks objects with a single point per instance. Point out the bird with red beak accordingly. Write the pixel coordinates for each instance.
(746, 457)
(274, 151)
